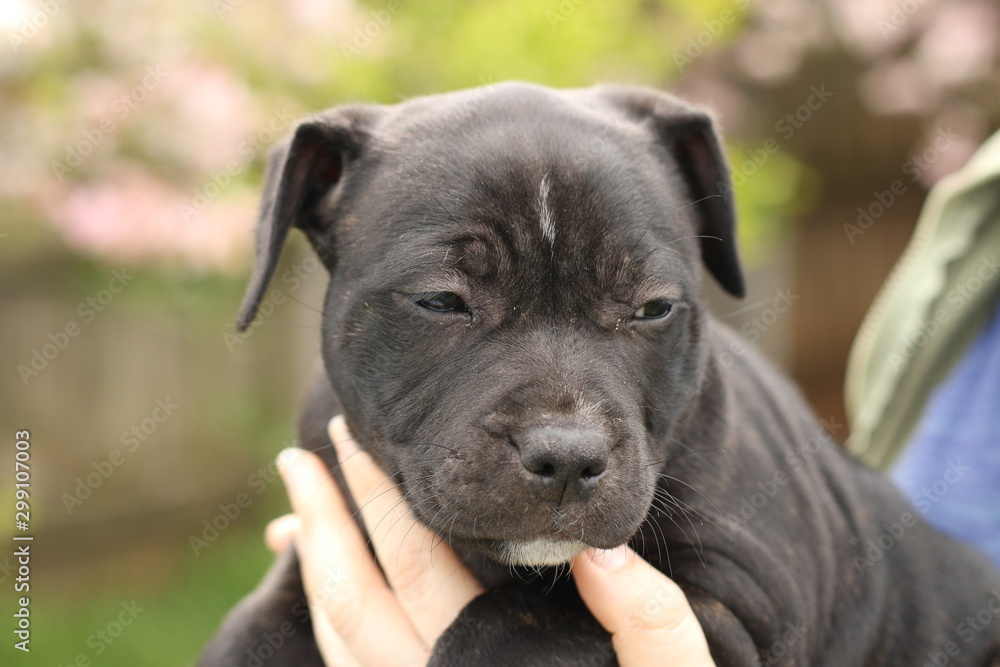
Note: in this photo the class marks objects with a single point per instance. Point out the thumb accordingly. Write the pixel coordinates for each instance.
(647, 614)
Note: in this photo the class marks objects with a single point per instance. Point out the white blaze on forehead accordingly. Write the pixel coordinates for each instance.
(545, 221)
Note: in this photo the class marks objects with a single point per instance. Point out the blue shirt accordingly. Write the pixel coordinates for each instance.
(951, 468)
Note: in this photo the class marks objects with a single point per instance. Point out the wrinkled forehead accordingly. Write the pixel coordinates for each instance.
(511, 195)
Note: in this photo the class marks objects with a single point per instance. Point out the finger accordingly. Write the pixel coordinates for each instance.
(429, 579)
(351, 603)
(336, 652)
(647, 614)
(279, 532)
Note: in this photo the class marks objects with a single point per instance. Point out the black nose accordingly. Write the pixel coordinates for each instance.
(562, 463)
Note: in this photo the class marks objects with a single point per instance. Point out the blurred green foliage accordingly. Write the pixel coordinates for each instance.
(246, 62)
(300, 55)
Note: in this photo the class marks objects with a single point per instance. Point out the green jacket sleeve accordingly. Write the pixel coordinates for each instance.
(937, 298)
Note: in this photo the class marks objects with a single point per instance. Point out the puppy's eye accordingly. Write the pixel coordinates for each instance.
(442, 302)
(654, 310)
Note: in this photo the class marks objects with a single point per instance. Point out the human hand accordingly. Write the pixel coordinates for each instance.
(647, 614)
(354, 608)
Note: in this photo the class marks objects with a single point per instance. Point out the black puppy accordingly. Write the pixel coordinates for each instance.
(514, 330)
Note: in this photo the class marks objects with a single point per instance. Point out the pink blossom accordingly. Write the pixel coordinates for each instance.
(134, 217)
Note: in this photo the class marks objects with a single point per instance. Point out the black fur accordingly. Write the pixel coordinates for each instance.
(710, 464)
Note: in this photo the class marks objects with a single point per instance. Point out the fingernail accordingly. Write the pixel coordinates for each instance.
(286, 456)
(609, 559)
(343, 441)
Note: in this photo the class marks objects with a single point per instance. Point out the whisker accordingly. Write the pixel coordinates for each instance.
(677, 456)
(687, 538)
(693, 203)
(303, 303)
(657, 528)
(695, 510)
(291, 324)
(686, 513)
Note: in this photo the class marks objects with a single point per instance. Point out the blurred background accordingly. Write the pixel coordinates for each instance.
(132, 137)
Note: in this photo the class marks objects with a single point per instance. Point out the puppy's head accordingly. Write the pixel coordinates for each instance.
(513, 324)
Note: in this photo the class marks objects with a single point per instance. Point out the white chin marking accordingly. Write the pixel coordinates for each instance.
(543, 551)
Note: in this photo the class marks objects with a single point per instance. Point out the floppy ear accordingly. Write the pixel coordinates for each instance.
(688, 135)
(299, 174)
